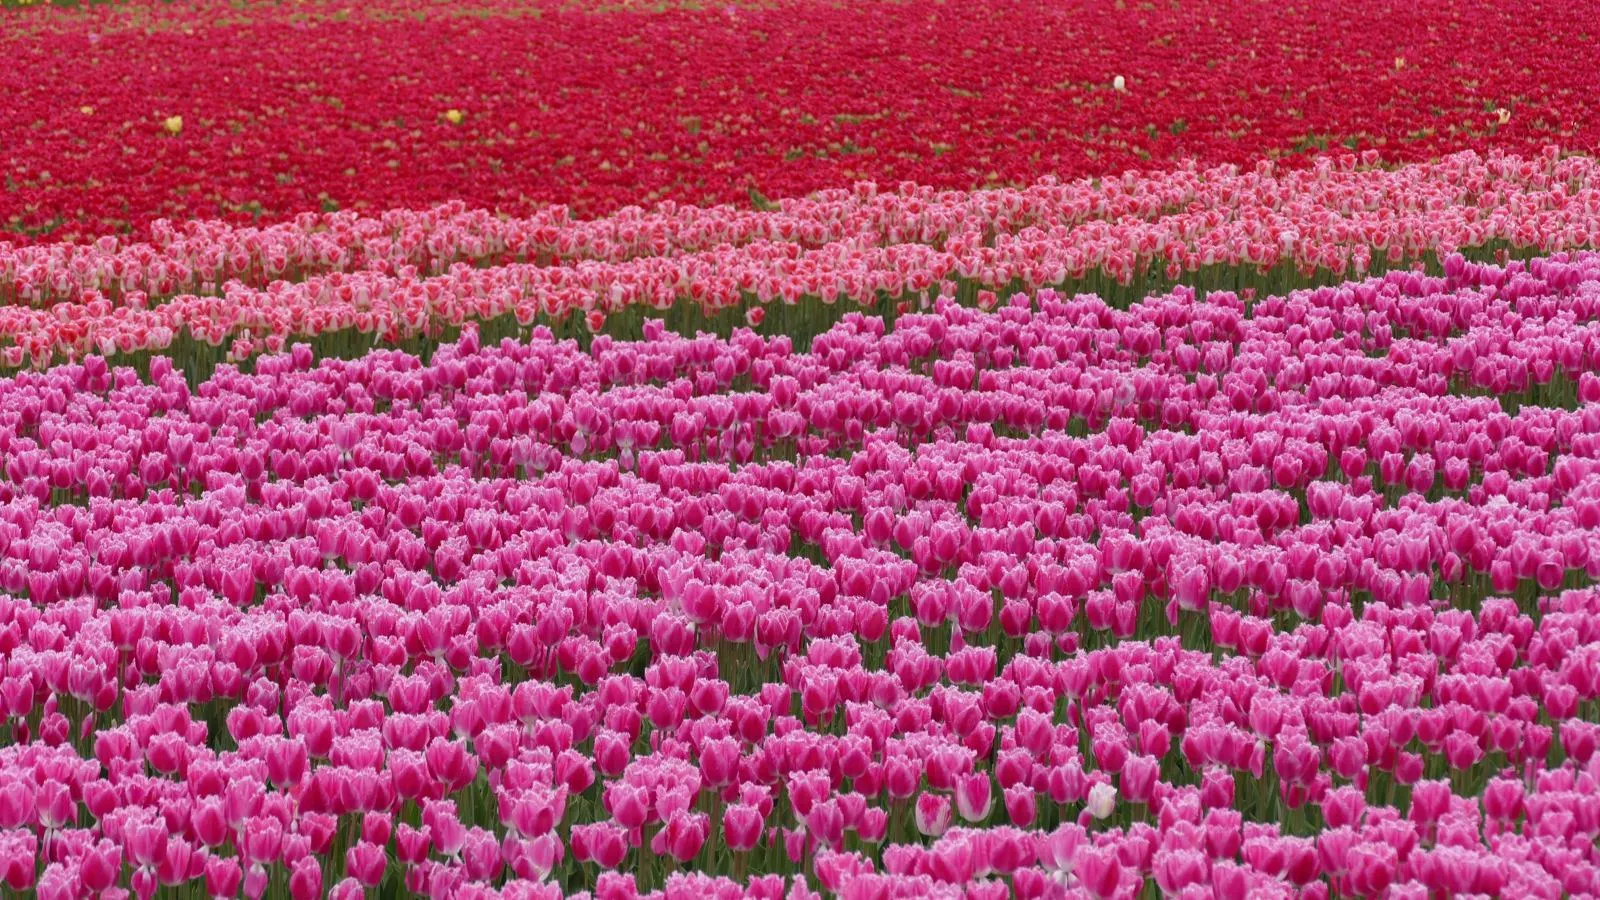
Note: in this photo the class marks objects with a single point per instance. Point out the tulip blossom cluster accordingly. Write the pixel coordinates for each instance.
(209, 291)
(120, 114)
(1288, 596)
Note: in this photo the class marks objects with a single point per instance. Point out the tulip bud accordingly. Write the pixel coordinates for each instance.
(1102, 800)
(932, 814)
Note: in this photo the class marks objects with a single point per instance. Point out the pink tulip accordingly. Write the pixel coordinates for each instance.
(1098, 870)
(973, 797)
(742, 825)
(932, 814)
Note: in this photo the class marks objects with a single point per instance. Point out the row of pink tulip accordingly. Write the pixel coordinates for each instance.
(1172, 361)
(276, 800)
(1342, 202)
(406, 275)
(1294, 618)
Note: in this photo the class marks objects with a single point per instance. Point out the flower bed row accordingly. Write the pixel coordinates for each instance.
(118, 115)
(1338, 214)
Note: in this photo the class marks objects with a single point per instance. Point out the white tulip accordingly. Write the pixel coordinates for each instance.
(1119, 84)
(1102, 800)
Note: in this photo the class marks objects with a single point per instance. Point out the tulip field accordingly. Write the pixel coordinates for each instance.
(790, 449)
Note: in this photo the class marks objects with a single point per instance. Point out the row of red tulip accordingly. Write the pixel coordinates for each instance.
(1294, 617)
(118, 115)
